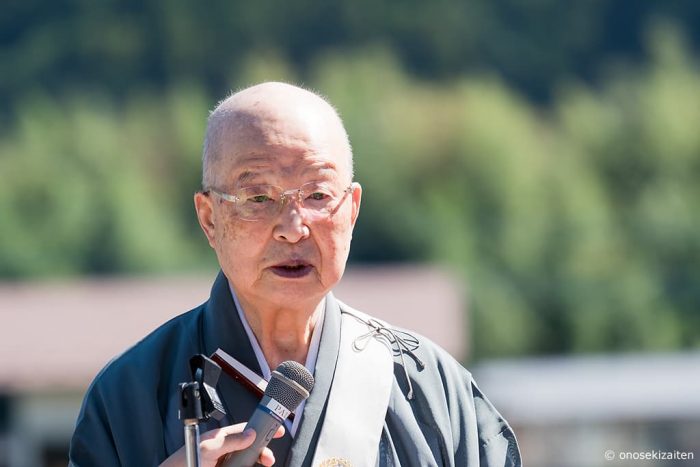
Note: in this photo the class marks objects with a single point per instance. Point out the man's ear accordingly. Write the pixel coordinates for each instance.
(205, 215)
(356, 199)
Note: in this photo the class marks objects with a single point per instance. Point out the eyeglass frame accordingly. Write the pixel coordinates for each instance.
(284, 198)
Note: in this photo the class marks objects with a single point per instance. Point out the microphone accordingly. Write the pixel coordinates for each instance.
(289, 385)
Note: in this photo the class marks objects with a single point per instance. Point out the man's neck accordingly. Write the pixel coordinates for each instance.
(282, 333)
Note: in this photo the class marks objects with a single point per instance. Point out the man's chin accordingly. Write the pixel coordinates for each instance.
(301, 291)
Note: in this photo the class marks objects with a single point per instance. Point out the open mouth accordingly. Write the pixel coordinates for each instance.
(292, 270)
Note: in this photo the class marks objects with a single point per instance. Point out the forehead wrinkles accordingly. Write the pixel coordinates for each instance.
(269, 168)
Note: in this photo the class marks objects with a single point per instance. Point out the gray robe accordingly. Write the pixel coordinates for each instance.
(129, 415)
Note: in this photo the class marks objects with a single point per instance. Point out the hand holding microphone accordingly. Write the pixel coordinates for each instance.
(289, 385)
(220, 441)
(243, 446)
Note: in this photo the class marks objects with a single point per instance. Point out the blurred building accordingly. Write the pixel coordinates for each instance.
(575, 411)
(56, 336)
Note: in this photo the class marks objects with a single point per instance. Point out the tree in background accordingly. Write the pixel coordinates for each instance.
(573, 224)
(116, 45)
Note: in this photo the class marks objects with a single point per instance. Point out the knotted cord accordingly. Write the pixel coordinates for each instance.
(399, 342)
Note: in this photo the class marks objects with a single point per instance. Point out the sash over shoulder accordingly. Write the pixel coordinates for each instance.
(359, 397)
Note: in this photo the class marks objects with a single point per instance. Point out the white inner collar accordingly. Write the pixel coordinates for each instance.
(311, 356)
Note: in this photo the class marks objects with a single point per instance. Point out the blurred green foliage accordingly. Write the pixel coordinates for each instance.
(114, 44)
(89, 188)
(575, 225)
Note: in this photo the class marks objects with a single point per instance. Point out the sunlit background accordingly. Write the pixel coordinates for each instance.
(531, 175)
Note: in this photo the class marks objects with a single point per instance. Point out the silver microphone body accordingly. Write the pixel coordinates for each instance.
(288, 387)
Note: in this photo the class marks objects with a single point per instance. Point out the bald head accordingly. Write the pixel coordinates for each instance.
(272, 114)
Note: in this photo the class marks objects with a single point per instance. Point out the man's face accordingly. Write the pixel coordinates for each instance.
(288, 260)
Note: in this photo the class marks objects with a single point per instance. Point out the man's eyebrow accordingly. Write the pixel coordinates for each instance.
(251, 172)
(247, 175)
(321, 165)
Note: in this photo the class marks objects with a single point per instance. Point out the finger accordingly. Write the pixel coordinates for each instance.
(266, 457)
(224, 431)
(239, 441)
(217, 435)
(222, 442)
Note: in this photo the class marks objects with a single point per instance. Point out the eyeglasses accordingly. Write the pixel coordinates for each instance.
(263, 202)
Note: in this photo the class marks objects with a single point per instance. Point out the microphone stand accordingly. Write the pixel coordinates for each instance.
(191, 414)
(199, 402)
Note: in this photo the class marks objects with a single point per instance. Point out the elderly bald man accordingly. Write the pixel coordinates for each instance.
(278, 207)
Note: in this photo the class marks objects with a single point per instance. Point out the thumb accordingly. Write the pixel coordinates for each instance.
(238, 441)
(216, 443)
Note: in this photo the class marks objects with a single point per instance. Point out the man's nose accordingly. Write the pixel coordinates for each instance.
(290, 224)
